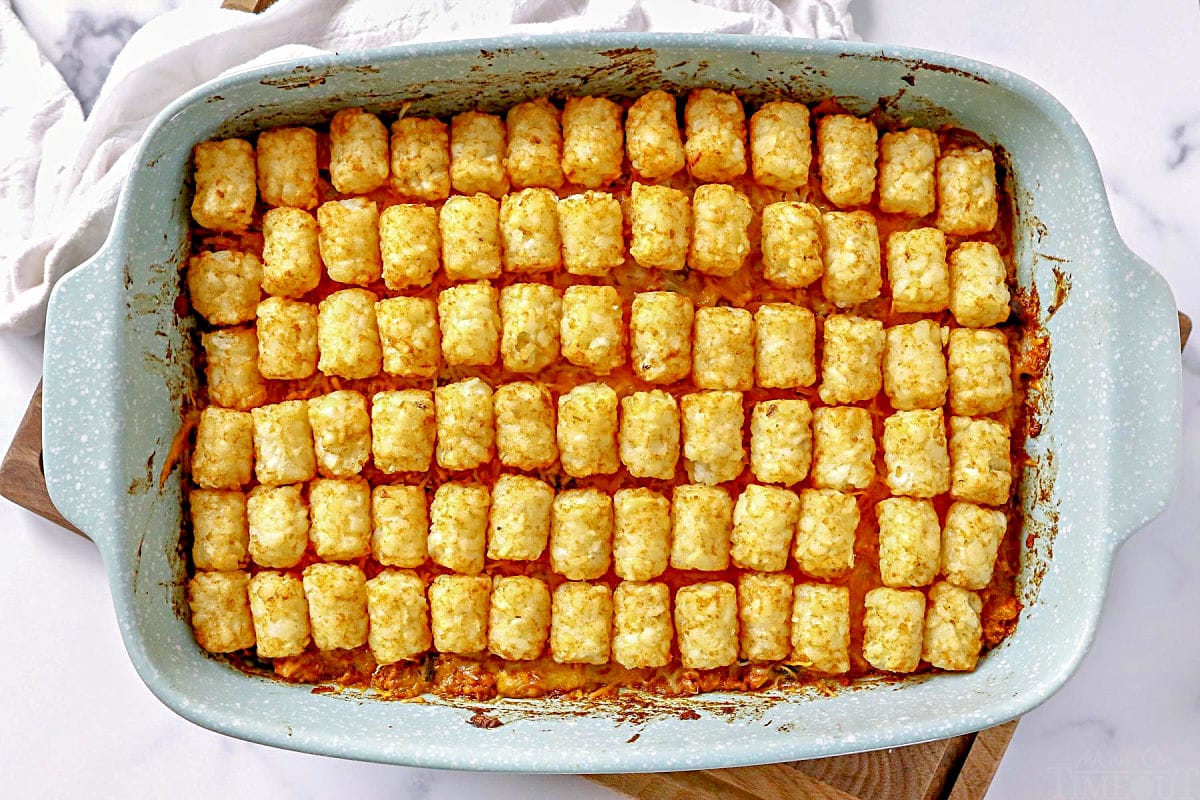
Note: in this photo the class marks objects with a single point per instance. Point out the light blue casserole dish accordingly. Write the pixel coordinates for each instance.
(118, 363)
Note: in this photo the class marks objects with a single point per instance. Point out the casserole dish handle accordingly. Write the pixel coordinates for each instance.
(82, 421)
(1146, 400)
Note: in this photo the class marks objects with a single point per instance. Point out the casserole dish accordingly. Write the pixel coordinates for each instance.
(119, 367)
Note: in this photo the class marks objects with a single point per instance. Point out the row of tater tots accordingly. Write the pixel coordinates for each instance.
(465, 425)
(526, 327)
(478, 238)
(585, 145)
(765, 617)
(637, 532)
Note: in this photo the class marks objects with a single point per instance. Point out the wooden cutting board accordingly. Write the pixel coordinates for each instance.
(951, 769)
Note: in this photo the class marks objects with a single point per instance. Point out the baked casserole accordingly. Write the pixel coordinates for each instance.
(578, 398)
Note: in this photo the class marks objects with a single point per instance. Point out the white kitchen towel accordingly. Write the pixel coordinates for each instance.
(60, 176)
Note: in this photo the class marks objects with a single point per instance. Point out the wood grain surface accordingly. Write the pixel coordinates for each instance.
(22, 479)
(949, 769)
(252, 6)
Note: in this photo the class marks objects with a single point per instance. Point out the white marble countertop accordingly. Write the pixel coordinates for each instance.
(77, 720)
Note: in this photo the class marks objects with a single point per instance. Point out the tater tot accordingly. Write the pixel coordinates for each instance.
(765, 615)
(278, 521)
(224, 286)
(852, 359)
(723, 352)
(519, 619)
(914, 450)
(458, 520)
(843, 448)
(592, 330)
(470, 230)
(590, 225)
(469, 316)
(223, 457)
(525, 430)
(784, 346)
(970, 541)
(660, 221)
(220, 533)
(410, 245)
(979, 296)
(893, 627)
(821, 628)
(348, 335)
(642, 629)
(825, 532)
(283, 443)
(953, 633)
(581, 525)
(458, 611)
(652, 137)
(581, 623)
(764, 519)
(534, 144)
(466, 434)
(846, 150)
(980, 372)
(593, 141)
(706, 624)
(402, 430)
(721, 233)
(852, 272)
(225, 185)
(966, 187)
(349, 240)
(529, 228)
(909, 541)
(914, 367)
(337, 605)
(400, 525)
(981, 469)
(701, 525)
(409, 336)
(791, 244)
(399, 616)
(220, 608)
(291, 261)
(781, 145)
(280, 612)
(519, 520)
(641, 534)
(781, 441)
(587, 430)
(530, 317)
(906, 165)
(716, 135)
(649, 435)
(358, 151)
(421, 159)
(232, 368)
(341, 428)
(477, 145)
(917, 271)
(287, 339)
(660, 336)
(341, 518)
(712, 435)
(287, 167)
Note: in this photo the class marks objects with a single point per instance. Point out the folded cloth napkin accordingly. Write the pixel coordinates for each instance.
(61, 174)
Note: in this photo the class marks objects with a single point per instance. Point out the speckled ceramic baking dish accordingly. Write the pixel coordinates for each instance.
(118, 365)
